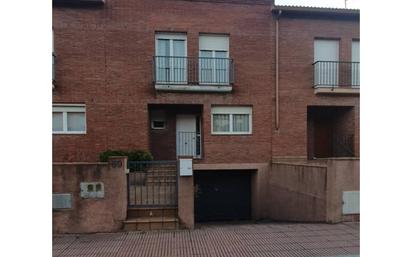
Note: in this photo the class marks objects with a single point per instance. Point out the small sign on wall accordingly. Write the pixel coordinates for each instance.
(62, 201)
(185, 167)
(91, 190)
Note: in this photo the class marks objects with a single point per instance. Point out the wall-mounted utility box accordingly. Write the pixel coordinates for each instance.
(91, 190)
(351, 202)
(186, 167)
(62, 201)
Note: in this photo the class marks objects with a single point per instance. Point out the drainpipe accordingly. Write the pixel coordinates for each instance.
(277, 71)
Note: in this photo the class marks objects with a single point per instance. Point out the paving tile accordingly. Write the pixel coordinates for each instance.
(352, 250)
(242, 240)
(329, 251)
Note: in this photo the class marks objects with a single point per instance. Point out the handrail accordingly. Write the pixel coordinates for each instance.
(334, 62)
(187, 70)
(333, 74)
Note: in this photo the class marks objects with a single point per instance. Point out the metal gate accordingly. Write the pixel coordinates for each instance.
(152, 184)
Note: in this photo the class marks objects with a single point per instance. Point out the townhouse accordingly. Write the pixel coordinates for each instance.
(241, 87)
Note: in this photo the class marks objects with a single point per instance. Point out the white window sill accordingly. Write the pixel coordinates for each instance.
(69, 132)
(232, 133)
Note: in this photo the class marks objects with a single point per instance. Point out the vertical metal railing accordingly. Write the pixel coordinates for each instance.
(188, 144)
(152, 184)
(193, 70)
(53, 68)
(336, 74)
(343, 145)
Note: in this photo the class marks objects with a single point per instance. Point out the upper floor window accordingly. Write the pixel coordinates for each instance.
(69, 119)
(326, 50)
(53, 61)
(355, 69)
(326, 59)
(171, 60)
(214, 59)
(231, 120)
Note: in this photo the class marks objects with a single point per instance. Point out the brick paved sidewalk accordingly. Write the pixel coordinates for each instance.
(268, 239)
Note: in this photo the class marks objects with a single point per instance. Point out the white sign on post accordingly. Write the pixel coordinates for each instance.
(185, 166)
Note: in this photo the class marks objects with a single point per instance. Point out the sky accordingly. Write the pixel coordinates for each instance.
(355, 4)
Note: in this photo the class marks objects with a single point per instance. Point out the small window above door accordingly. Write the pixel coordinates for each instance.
(158, 120)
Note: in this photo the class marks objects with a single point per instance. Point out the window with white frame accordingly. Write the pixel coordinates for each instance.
(231, 120)
(214, 59)
(69, 119)
(171, 58)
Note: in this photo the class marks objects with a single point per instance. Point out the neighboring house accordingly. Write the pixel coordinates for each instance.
(318, 82)
(202, 79)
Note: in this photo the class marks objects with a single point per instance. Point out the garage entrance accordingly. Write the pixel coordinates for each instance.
(222, 195)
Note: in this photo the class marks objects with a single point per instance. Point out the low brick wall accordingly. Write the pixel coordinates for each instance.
(297, 192)
(343, 175)
(311, 191)
(89, 215)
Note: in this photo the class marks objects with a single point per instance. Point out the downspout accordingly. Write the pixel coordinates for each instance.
(277, 71)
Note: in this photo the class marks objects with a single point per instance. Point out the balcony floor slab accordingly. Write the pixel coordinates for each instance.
(194, 88)
(337, 90)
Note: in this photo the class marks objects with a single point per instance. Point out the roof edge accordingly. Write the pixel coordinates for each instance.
(315, 10)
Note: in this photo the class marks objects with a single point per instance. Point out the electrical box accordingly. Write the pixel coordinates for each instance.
(91, 190)
(351, 202)
(186, 167)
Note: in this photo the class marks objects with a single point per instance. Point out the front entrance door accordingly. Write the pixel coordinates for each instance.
(186, 135)
(323, 139)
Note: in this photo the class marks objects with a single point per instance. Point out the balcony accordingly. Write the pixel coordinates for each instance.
(193, 74)
(333, 77)
(86, 3)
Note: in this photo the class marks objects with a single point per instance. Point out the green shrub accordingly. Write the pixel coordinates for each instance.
(132, 155)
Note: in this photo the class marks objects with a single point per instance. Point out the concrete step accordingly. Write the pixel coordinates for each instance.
(152, 223)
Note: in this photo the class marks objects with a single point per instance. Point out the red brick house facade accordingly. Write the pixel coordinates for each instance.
(104, 60)
(237, 77)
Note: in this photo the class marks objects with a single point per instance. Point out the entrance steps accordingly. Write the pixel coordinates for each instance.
(151, 218)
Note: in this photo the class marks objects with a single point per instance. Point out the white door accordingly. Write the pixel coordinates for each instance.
(186, 135)
(327, 70)
(355, 63)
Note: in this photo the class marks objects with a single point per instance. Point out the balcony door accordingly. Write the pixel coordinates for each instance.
(327, 68)
(214, 59)
(171, 59)
(355, 64)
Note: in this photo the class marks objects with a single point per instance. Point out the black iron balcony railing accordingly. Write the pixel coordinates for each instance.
(336, 74)
(193, 70)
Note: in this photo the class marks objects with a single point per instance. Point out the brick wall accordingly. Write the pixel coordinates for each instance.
(104, 60)
(91, 215)
(296, 50)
